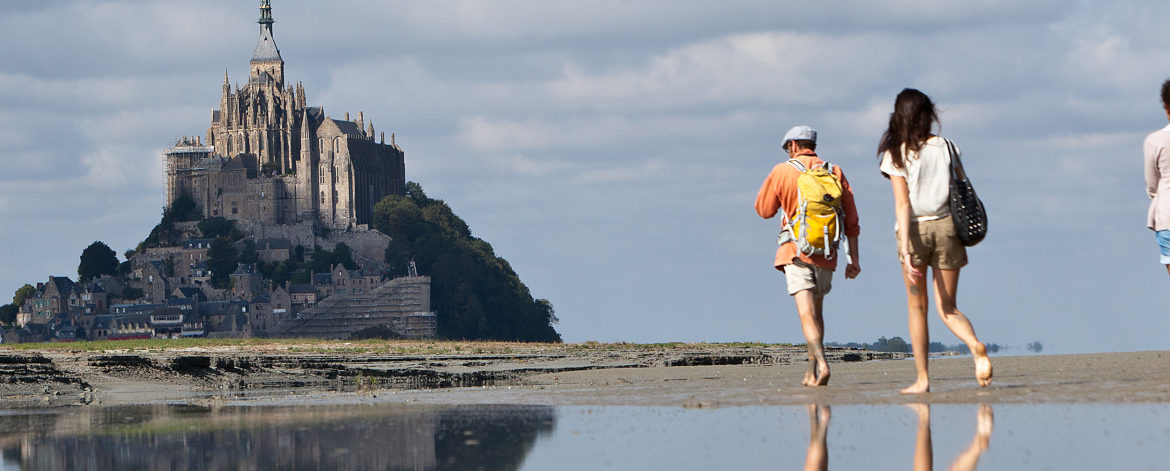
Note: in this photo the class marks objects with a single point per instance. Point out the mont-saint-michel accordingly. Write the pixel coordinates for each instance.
(283, 220)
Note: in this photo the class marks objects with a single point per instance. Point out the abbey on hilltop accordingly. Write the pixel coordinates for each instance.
(269, 158)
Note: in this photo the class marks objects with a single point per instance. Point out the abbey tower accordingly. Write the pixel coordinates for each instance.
(269, 157)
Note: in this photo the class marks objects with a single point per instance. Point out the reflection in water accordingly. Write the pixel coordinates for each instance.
(321, 437)
(969, 458)
(818, 427)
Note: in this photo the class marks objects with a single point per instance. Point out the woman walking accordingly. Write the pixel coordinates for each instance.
(917, 163)
(1157, 169)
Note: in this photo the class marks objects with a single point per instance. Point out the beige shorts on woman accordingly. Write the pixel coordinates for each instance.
(934, 242)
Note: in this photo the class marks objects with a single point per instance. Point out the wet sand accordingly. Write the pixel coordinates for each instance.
(1138, 377)
(686, 375)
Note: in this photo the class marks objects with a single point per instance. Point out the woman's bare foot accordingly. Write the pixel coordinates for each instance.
(810, 375)
(983, 370)
(923, 410)
(919, 387)
(985, 420)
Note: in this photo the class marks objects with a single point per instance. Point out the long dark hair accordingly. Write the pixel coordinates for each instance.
(910, 125)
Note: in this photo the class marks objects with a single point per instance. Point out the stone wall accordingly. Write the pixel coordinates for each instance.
(403, 304)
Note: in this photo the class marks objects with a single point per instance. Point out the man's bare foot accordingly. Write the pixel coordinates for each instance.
(810, 375)
(822, 378)
(918, 387)
(983, 370)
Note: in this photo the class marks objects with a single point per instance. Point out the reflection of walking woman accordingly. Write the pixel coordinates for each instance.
(1157, 160)
(918, 166)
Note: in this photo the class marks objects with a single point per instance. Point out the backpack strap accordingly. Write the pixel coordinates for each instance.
(799, 166)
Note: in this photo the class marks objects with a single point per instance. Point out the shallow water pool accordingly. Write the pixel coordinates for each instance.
(519, 437)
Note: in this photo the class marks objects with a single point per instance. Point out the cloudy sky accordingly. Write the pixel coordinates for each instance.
(612, 150)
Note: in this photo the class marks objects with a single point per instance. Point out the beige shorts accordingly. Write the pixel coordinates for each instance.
(801, 276)
(935, 243)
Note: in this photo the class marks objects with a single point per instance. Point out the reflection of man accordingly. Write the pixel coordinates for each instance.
(924, 450)
(818, 428)
(809, 277)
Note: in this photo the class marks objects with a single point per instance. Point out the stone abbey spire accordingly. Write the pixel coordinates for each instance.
(270, 157)
(266, 59)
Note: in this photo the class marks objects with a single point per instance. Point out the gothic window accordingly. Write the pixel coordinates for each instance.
(322, 197)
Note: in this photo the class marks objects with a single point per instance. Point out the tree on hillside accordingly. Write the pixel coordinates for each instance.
(218, 227)
(221, 259)
(323, 260)
(22, 293)
(476, 294)
(8, 314)
(249, 253)
(96, 260)
(164, 234)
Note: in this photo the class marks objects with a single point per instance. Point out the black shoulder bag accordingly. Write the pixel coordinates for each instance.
(966, 209)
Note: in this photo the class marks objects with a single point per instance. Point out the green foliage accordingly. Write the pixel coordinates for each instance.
(22, 293)
(476, 294)
(280, 272)
(182, 209)
(383, 332)
(249, 254)
(221, 259)
(323, 260)
(8, 314)
(164, 234)
(96, 260)
(218, 227)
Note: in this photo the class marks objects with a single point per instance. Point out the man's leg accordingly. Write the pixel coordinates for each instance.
(812, 325)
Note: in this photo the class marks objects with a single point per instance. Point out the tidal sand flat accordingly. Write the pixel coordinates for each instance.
(676, 406)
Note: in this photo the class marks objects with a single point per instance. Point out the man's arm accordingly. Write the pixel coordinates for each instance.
(852, 226)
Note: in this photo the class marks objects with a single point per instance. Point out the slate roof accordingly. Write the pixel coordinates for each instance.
(349, 128)
(266, 49)
(322, 279)
(102, 322)
(191, 292)
(63, 283)
(301, 289)
(197, 243)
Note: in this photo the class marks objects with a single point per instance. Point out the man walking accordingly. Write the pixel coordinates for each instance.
(808, 267)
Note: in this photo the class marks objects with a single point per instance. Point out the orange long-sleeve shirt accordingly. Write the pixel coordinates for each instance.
(779, 191)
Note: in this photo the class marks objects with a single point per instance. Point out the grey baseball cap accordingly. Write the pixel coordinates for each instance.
(799, 133)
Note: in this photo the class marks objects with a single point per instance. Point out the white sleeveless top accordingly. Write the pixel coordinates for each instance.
(928, 175)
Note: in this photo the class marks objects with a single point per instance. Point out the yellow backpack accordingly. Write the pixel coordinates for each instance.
(816, 226)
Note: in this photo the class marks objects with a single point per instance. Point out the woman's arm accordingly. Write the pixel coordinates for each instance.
(1152, 152)
(902, 212)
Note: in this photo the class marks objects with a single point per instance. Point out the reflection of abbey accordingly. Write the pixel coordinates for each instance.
(270, 158)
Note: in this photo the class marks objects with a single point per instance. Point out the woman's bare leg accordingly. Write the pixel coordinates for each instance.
(946, 284)
(968, 459)
(916, 305)
(923, 448)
